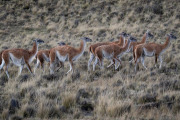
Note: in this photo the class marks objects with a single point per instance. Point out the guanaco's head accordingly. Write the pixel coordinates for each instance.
(148, 34)
(61, 43)
(86, 39)
(132, 39)
(171, 36)
(123, 34)
(38, 41)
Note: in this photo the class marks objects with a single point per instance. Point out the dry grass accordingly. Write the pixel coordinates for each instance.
(102, 94)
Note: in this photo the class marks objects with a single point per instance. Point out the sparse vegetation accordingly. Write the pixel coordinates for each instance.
(102, 94)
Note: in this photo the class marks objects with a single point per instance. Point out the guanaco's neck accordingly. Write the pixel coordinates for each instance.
(121, 41)
(126, 46)
(34, 49)
(166, 44)
(144, 39)
(82, 47)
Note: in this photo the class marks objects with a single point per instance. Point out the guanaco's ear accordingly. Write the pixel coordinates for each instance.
(86, 39)
(168, 35)
(172, 36)
(34, 40)
(133, 39)
(150, 35)
(124, 34)
(61, 43)
(40, 41)
(128, 35)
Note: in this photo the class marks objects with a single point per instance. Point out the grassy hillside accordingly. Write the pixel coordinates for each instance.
(102, 94)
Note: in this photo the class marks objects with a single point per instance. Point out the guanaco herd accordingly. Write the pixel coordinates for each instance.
(112, 51)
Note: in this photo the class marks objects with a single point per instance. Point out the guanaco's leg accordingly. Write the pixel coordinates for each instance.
(119, 60)
(94, 64)
(101, 63)
(142, 61)
(138, 54)
(2, 64)
(42, 65)
(6, 69)
(112, 62)
(160, 58)
(61, 65)
(37, 65)
(52, 61)
(71, 66)
(116, 64)
(52, 68)
(20, 70)
(28, 67)
(90, 60)
(136, 62)
(131, 60)
(156, 57)
(5, 60)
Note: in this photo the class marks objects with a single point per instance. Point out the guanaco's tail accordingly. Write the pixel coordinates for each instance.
(90, 49)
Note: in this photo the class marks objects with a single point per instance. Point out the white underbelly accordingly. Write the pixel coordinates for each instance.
(162, 51)
(77, 57)
(121, 54)
(130, 49)
(107, 55)
(32, 58)
(46, 57)
(16, 61)
(61, 57)
(148, 53)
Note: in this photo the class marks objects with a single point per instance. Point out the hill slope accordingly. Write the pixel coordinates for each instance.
(103, 94)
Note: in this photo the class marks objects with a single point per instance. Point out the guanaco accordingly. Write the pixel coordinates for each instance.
(145, 37)
(152, 49)
(68, 53)
(43, 55)
(112, 52)
(20, 57)
(120, 42)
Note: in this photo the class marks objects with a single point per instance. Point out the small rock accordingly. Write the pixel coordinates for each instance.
(101, 33)
(76, 23)
(76, 75)
(4, 47)
(179, 46)
(63, 109)
(112, 39)
(51, 77)
(54, 113)
(139, 9)
(85, 53)
(3, 80)
(24, 78)
(147, 98)
(87, 106)
(81, 93)
(14, 104)
(16, 118)
(152, 73)
(29, 112)
(117, 83)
